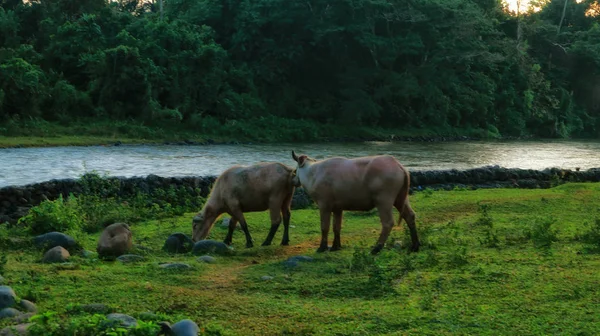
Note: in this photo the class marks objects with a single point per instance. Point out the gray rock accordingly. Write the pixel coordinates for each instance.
(54, 239)
(207, 259)
(88, 254)
(17, 330)
(185, 328)
(290, 263)
(130, 258)
(300, 258)
(211, 246)
(266, 278)
(28, 306)
(8, 298)
(178, 243)
(56, 254)
(179, 266)
(23, 318)
(125, 320)
(9, 312)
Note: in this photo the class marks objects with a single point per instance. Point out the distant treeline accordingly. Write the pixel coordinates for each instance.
(208, 64)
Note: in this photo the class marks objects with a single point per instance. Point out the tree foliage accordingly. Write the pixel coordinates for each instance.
(400, 63)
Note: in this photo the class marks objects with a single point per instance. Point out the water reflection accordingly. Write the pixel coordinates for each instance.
(29, 165)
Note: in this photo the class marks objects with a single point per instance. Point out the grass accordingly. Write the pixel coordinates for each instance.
(458, 284)
(39, 133)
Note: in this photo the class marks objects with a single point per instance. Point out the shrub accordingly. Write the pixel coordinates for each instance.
(58, 215)
(542, 234)
(591, 238)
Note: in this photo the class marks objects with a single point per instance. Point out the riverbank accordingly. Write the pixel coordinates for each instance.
(492, 262)
(39, 133)
(186, 192)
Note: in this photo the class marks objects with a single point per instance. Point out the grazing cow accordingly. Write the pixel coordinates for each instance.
(253, 188)
(360, 184)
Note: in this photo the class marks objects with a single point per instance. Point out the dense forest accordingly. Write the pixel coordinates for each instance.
(201, 64)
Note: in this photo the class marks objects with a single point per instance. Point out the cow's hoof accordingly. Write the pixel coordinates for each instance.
(322, 249)
(335, 248)
(285, 243)
(249, 245)
(266, 243)
(377, 249)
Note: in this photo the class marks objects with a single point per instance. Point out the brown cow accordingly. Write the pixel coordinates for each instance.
(253, 188)
(360, 184)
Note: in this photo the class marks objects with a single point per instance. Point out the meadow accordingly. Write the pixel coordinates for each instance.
(492, 262)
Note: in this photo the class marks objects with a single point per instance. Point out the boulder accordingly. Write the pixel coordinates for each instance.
(124, 320)
(54, 239)
(210, 246)
(56, 254)
(17, 330)
(115, 240)
(8, 298)
(28, 306)
(178, 243)
(130, 258)
(185, 328)
(207, 259)
(9, 312)
(178, 266)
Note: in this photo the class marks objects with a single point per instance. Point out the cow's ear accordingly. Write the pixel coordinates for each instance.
(302, 160)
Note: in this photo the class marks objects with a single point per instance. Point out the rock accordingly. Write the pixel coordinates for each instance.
(8, 298)
(28, 306)
(179, 266)
(56, 254)
(207, 259)
(300, 199)
(300, 258)
(115, 240)
(266, 278)
(130, 258)
(185, 328)
(178, 243)
(23, 318)
(54, 239)
(290, 263)
(9, 312)
(211, 246)
(125, 320)
(17, 330)
(88, 254)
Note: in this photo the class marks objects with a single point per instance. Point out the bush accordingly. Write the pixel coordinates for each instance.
(542, 234)
(58, 215)
(591, 238)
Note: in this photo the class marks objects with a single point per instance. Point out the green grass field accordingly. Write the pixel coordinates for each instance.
(493, 262)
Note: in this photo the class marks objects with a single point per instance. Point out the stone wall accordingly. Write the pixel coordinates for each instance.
(15, 201)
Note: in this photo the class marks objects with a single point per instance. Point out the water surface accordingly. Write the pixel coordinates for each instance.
(20, 166)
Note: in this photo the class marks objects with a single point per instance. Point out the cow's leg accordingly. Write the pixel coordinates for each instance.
(287, 215)
(240, 216)
(408, 214)
(325, 223)
(232, 224)
(275, 222)
(387, 222)
(337, 228)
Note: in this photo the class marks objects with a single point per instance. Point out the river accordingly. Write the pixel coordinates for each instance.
(20, 166)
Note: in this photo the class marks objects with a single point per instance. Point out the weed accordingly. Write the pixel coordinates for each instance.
(591, 238)
(485, 219)
(542, 233)
(458, 257)
(490, 239)
(57, 215)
